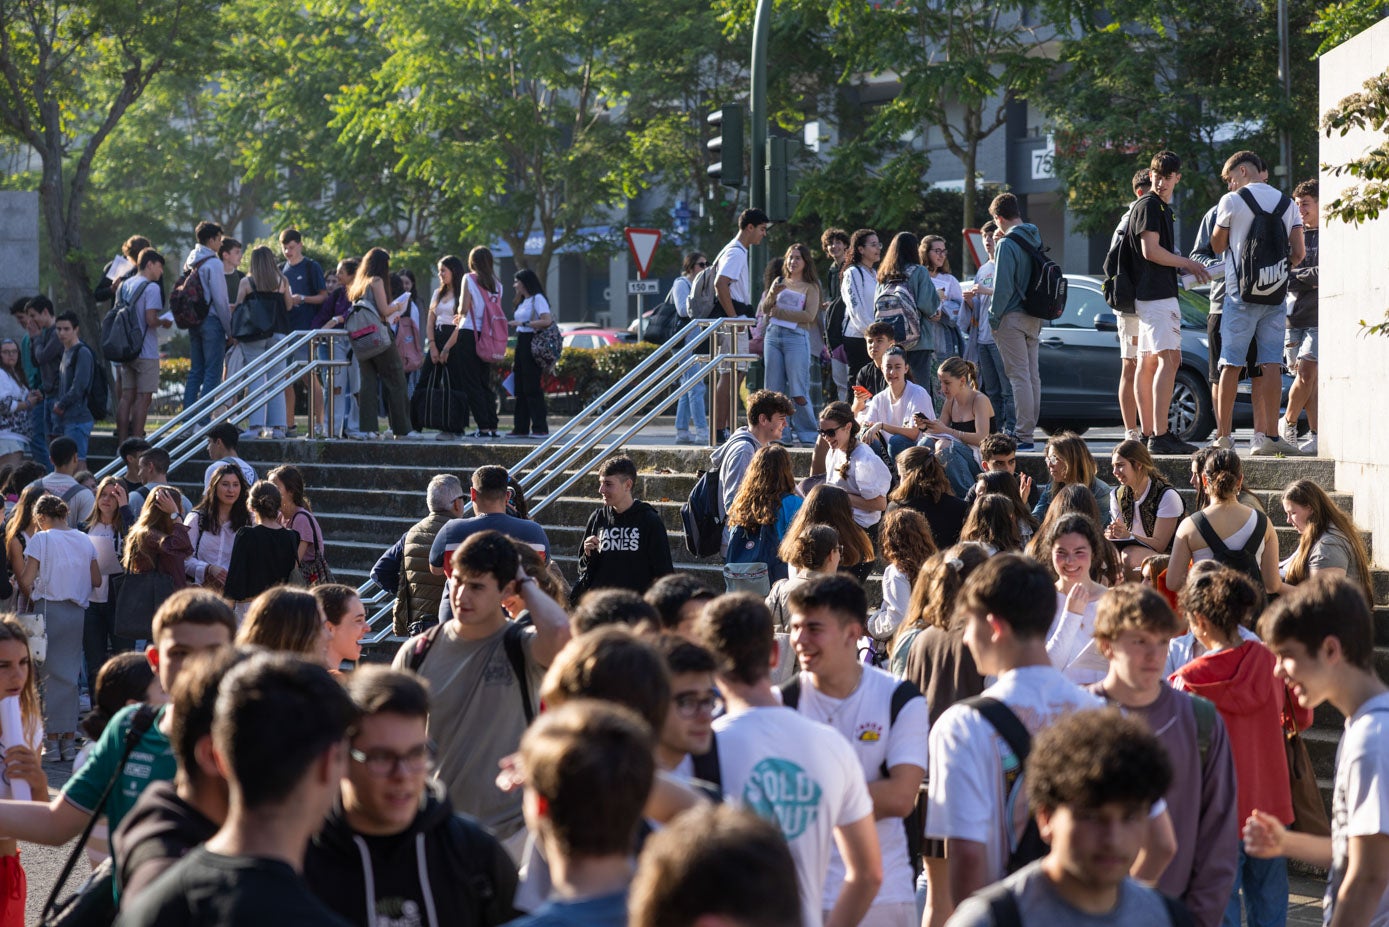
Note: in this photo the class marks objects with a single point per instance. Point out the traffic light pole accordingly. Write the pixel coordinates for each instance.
(761, 26)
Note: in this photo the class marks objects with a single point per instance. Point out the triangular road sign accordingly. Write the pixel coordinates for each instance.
(643, 243)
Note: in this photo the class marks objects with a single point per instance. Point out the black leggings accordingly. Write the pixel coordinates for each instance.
(530, 397)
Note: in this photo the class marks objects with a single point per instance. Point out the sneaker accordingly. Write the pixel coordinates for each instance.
(701, 438)
(357, 435)
(1133, 434)
(253, 434)
(1222, 443)
(446, 436)
(318, 434)
(51, 751)
(1287, 431)
(277, 434)
(1264, 446)
(409, 436)
(1024, 446)
(67, 749)
(292, 431)
(518, 434)
(1309, 447)
(1168, 443)
(721, 435)
(685, 437)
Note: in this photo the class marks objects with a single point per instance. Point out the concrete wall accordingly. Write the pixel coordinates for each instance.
(19, 252)
(1354, 286)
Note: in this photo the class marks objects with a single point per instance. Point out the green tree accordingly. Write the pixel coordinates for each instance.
(72, 70)
(1199, 79)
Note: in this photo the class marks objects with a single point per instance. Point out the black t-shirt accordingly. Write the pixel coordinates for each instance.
(1155, 281)
(210, 890)
(870, 378)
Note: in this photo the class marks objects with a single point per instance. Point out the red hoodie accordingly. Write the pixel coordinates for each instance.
(1241, 683)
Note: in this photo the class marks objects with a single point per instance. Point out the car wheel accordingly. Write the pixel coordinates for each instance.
(1192, 414)
(1055, 428)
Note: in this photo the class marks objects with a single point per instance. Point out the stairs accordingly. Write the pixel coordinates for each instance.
(367, 494)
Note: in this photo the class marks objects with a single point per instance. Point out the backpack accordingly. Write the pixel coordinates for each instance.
(1045, 297)
(188, 303)
(99, 390)
(1119, 261)
(515, 655)
(756, 546)
(407, 342)
(704, 296)
(895, 304)
(121, 337)
(700, 514)
(1245, 560)
(489, 327)
(1030, 845)
(1263, 265)
(1003, 907)
(905, 691)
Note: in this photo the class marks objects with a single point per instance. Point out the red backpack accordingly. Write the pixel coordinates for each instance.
(188, 303)
(489, 326)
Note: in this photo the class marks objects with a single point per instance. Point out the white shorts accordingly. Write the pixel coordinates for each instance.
(734, 342)
(1159, 325)
(1128, 335)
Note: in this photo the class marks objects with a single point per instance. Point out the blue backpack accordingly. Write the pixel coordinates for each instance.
(757, 546)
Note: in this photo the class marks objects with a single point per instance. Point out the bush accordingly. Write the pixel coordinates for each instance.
(586, 373)
(173, 371)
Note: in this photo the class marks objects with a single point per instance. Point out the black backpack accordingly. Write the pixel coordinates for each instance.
(1045, 297)
(1030, 845)
(700, 514)
(1263, 264)
(121, 337)
(914, 823)
(1119, 262)
(1245, 560)
(99, 390)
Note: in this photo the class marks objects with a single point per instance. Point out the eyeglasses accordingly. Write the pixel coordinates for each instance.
(937, 251)
(692, 705)
(384, 762)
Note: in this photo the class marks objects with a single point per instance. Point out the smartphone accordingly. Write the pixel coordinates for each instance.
(863, 390)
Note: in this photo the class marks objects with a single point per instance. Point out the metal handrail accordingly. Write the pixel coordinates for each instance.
(673, 363)
(186, 429)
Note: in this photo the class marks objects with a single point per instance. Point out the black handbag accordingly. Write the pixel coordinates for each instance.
(140, 597)
(436, 404)
(256, 318)
(664, 322)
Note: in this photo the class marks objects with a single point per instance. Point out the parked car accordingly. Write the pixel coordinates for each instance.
(1079, 364)
(597, 337)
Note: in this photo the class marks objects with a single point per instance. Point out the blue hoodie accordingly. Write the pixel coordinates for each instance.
(1013, 272)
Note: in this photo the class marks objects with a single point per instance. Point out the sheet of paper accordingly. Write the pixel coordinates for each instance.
(106, 560)
(119, 265)
(12, 731)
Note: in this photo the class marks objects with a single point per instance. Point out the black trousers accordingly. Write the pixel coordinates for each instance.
(477, 382)
(530, 398)
(856, 351)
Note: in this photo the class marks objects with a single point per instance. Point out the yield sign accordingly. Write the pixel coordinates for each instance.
(643, 243)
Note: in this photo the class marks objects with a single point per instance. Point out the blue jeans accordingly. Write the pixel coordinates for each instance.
(38, 433)
(690, 409)
(79, 432)
(207, 344)
(994, 382)
(786, 355)
(960, 466)
(1265, 885)
(253, 351)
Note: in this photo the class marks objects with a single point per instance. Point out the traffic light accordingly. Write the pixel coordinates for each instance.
(727, 147)
(781, 204)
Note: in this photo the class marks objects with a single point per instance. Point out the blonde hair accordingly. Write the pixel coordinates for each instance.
(30, 710)
(265, 273)
(153, 522)
(1072, 451)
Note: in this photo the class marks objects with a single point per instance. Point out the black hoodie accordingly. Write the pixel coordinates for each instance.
(444, 869)
(155, 834)
(633, 550)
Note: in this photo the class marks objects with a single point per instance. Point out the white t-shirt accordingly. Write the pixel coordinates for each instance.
(864, 718)
(857, 285)
(247, 471)
(1169, 506)
(800, 775)
(733, 264)
(1071, 644)
(868, 476)
(476, 307)
(968, 758)
(882, 407)
(1360, 795)
(897, 593)
(1233, 213)
(65, 558)
(530, 310)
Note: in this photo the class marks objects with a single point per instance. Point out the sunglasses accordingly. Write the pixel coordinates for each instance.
(701, 263)
(827, 432)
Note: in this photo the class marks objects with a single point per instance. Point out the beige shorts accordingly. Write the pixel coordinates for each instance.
(732, 342)
(1159, 325)
(140, 375)
(1128, 335)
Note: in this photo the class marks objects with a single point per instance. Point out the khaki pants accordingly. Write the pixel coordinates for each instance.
(1017, 339)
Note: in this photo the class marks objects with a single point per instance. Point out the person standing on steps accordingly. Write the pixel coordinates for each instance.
(1301, 346)
(1016, 333)
(309, 290)
(1128, 322)
(690, 411)
(443, 330)
(1244, 323)
(207, 341)
(625, 542)
(139, 379)
(1155, 303)
(733, 297)
(481, 286)
(532, 315)
(980, 347)
(768, 413)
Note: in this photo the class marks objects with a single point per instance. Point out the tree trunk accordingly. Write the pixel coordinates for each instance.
(971, 159)
(64, 245)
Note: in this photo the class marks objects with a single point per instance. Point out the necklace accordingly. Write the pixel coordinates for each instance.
(833, 713)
